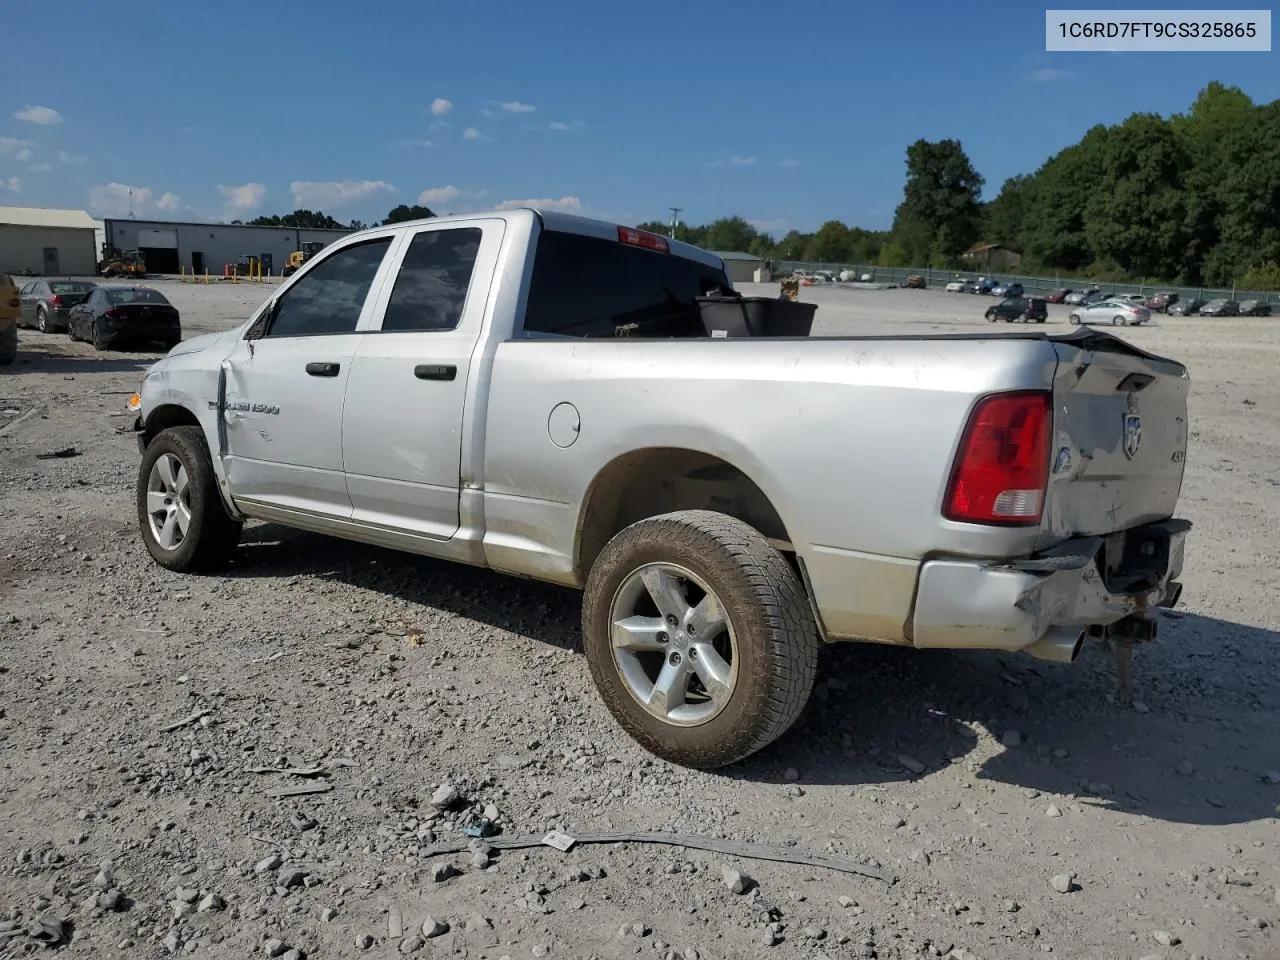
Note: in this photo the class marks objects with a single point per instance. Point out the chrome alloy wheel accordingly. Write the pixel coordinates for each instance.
(673, 644)
(168, 501)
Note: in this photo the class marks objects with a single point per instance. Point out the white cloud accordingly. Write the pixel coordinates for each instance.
(241, 200)
(515, 106)
(1047, 75)
(471, 133)
(561, 125)
(335, 193)
(789, 163)
(487, 113)
(424, 144)
(113, 200)
(23, 155)
(13, 183)
(44, 116)
(9, 146)
(40, 168)
(65, 157)
(742, 161)
(440, 106)
(438, 195)
(437, 125)
(563, 205)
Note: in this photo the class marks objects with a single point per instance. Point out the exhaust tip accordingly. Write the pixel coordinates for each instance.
(1059, 645)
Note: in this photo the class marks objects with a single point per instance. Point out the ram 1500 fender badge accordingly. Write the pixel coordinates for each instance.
(245, 406)
(1132, 434)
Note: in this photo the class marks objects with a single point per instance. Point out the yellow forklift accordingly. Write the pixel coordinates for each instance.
(296, 259)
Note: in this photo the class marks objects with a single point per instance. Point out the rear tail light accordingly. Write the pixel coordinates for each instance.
(55, 301)
(113, 314)
(642, 238)
(1002, 468)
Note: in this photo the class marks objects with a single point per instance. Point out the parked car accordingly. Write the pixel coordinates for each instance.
(1118, 313)
(1057, 296)
(1026, 309)
(1161, 302)
(1137, 298)
(1185, 308)
(46, 304)
(957, 285)
(10, 314)
(1077, 296)
(473, 422)
(1007, 290)
(1220, 308)
(914, 282)
(985, 285)
(115, 313)
(1255, 308)
(824, 276)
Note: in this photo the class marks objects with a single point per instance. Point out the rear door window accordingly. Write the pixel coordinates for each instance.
(590, 287)
(431, 288)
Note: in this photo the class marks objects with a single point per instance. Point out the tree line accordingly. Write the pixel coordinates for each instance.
(319, 220)
(1191, 199)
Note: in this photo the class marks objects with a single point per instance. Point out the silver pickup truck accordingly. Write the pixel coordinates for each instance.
(490, 389)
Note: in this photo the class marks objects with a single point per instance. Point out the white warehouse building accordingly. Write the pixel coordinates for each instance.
(171, 247)
(41, 241)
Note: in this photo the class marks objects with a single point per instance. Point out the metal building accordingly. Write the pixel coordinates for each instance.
(46, 242)
(741, 267)
(171, 247)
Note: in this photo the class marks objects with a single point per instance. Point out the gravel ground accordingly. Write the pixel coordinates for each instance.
(421, 697)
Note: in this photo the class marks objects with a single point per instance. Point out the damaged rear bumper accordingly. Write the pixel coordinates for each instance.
(1043, 604)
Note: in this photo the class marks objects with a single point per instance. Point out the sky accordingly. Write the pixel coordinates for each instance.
(613, 110)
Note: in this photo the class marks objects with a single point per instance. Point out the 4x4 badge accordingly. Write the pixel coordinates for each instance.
(1132, 434)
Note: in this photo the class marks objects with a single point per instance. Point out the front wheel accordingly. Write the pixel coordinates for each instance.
(1074, 319)
(184, 525)
(1118, 321)
(42, 321)
(699, 637)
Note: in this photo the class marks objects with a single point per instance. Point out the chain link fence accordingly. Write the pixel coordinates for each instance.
(937, 279)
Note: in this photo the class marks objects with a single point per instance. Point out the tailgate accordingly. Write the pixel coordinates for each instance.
(1120, 441)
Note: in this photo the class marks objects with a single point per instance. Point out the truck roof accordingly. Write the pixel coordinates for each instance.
(566, 223)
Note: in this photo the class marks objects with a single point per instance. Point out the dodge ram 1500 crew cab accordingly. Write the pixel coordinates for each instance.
(482, 389)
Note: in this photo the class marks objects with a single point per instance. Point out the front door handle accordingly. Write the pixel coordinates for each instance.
(323, 369)
(435, 371)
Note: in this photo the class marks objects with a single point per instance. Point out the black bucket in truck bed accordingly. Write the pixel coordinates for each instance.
(756, 316)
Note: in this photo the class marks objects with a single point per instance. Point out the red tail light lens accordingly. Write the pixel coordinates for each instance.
(55, 301)
(113, 314)
(1002, 469)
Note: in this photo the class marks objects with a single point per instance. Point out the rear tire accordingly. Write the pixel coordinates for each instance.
(98, 342)
(1118, 321)
(766, 643)
(176, 484)
(42, 321)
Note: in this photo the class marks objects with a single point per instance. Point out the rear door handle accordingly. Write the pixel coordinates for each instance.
(435, 371)
(323, 369)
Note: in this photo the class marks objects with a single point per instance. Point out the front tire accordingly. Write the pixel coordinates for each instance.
(1119, 321)
(184, 525)
(42, 321)
(1074, 319)
(699, 637)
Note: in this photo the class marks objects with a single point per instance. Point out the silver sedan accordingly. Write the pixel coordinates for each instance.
(1118, 313)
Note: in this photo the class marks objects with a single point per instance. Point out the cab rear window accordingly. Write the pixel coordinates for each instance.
(590, 287)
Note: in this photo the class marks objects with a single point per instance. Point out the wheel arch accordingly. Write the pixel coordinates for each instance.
(165, 416)
(652, 481)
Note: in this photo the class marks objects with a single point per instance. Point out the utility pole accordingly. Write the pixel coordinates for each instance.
(675, 220)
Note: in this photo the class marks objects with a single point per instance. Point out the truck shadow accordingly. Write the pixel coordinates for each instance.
(1197, 756)
(877, 713)
(52, 361)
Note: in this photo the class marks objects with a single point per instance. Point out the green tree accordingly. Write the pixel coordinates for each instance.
(830, 244)
(729, 234)
(405, 213)
(299, 220)
(940, 215)
(1136, 213)
(1004, 218)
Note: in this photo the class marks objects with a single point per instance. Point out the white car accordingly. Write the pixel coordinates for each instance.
(956, 286)
(1118, 313)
